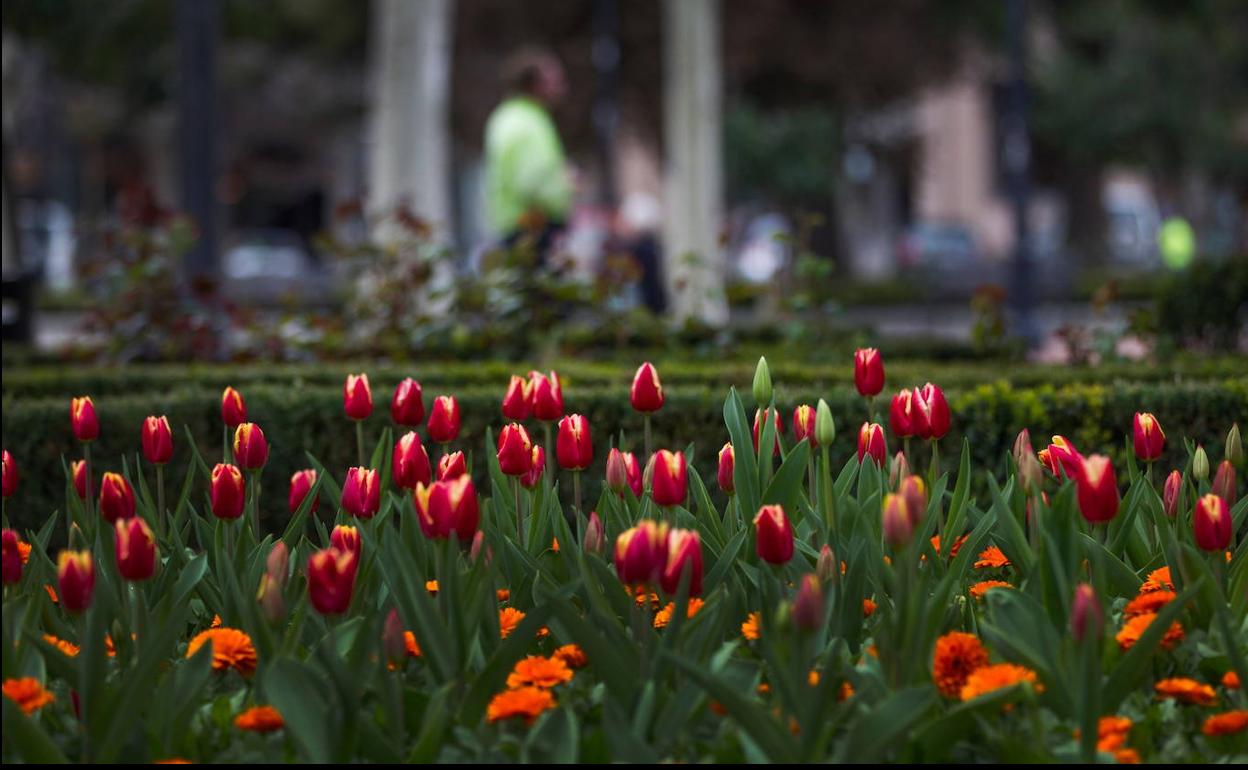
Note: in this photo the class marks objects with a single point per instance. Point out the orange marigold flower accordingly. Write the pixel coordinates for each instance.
(1145, 603)
(991, 558)
(23, 548)
(69, 649)
(231, 648)
(508, 619)
(1230, 680)
(749, 629)
(982, 587)
(1226, 723)
(847, 691)
(1127, 757)
(957, 545)
(1186, 690)
(1131, 630)
(664, 616)
(431, 586)
(409, 644)
(571, 654)
(172, 761)
(216, 622)
(527, 702)
(51, 593)
(957, 655)
(641, 596)
(27, 693)
(503, 594)
(991, 678)
(539, 672)
(1158, 579)
(1113, 725)
(1112, 742)
(543, 632)
(260, 719)
(868, 608)
(812, 678)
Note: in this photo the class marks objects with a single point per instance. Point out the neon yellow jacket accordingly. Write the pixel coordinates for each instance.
(525, 167)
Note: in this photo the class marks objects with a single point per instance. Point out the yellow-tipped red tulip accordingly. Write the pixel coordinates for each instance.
(10, 474)
(671, 478)
(448, 506)
(361, 492)
(931, 412)
(227, 492)
(444, 420)
(641, 552)
(1170, 493)
(804, 425)
(547, 396)
(808, 606)
(116, 498)
(251, 449)
(357, 397)
(135, 547)
(727, 466)
(407, 407)
(75, 574)
(157, 440)
(871, 443)
(331, 580)
(1211, 523)
(901, 416)
(233, 408)
(518, 400)
(83, 420)
(1061, 458)
(301, 484)
(79, 470)
(515, 450)
(646, 395)
(1150, 440)
(897, 522)
(773, 535)
(411, 462)
(452, 466)
(573, 447)
(684, 554)
(1097, 489)
(533, 475)
(868, 372)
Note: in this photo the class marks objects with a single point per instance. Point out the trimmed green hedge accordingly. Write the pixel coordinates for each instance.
(309, 418)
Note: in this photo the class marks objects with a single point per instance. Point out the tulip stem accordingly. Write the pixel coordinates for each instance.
(515, 485)
(646, 421)
(86, 458)
(827, 492)
(546, 426)
(226, 455)
(359, 440)
(160, 500)
(576, 490)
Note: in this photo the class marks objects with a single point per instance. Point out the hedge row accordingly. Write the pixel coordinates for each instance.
(310, 419)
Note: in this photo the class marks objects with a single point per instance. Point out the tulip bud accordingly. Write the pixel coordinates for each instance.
(12, 557)
(897, 522)
(1097, 489)
(269, 595)
(595, 536)
(75, 573)
(641, 552)
(898, 469)
(758, 428)
(868, 371)
(116, 498)
(331, 580)
(871, 443)
(762, 382)
(135, 547)
(804, 425)
(648, 475)
(773, 534)
(684, 552)
(157, 440)
(452, 466)
(515, 450)
(547, 396)
(227, 492)
(825, 568)
(407, 407)
(727, 464)
(251, 449)
(1211, 522)
(1170, 494)
(646, 395)
(357, 397)
(411, 462)
(901, 414)
(277, 565)
(825, 426)
(1234, 452)
(573, 446)
(83, 420)
(478, 540)
(444, 420)
(346, 539)
(1022, 446)
(80, 478)
(1148, 437)
(617, 471)
(1086, 615)
(392, 638)
(671, 478)
(1061, 458)
(808, 607)
(537, 465)
(448, 506)
(361, 492)
(233, 408)
(301, 484)
(518, 400)
(931, 412)
(914, 492)
(1224, 482)
(1200, 465)
(10, 474)
(634, 474)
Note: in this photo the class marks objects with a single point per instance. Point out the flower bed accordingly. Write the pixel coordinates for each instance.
(821, 596)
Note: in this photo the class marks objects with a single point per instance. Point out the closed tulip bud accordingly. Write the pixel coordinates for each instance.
(1170, 493)
(758, 428)
(270, 598)
(12, 557)
(773, 534)
(1200, 465)
(727, 464)
(116, 498)
(1061, 458)
(931, 412)
(641, 552)
(646, 395)
(1097, 489)
(1150, 440)
(515, 450)
(346, 539)
(871, 443)
(1224, 482)
(79, 471)
(868, 371)
(1022, 446)
(518, 400)
(595, 536)
(277, 564)
(762, 382)
(825, 426)
(808, 606)
(157, 440)
(671, 478)
(1211, 523)
(233, 408)
(898, 469)
(227, 492)
(684, 553)
(407, 407)
(533, 475)
(444, 420)
(452, 466)
(1086, 616)
(901, 414)
(301, 484)
(825, 567)
(634, 474)
(914, 492)
(357, 397)
(331, 580)
(135, 547)
(474, 552)
(361, 492)
(1234, 451)
(448, 506)
(1030, 473)
(392, 640)
(648, 474)
(75, 574)
(898, 524)
(251, 449)
(10, 474)
(573, 446)
(617, 471)
(83, 420)
(547, 396)
(804, 424)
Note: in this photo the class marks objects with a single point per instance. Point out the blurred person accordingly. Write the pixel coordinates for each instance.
(637, 227)
(528, 185)
(1177, 242)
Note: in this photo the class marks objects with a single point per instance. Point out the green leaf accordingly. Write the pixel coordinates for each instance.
(291, 688)
(25, 735)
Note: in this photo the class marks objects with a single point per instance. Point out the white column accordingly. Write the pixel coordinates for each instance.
(693, 194)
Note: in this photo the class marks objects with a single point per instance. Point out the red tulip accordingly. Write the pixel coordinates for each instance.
(331, 580)
(671, 478)
(116, 498)
(83, 420)
(1211, 522)
(897, 522)
(361, 492)
(233, 408)
(157, 440)
(357, 397)
(779, 428)
(547, 396)
(804, 425)
(646, 394)
(808, 606)
(573, 446)
(1171, 492)
(79, 470)
(641, 552)
(1150, 440)
(444, 420)
(10, 474)
(411, 462)
(1097, 489)
(448, 506)
(135, 547)
(452, 466)
(727, 464)
(684, 553)
(901, 414)
(871, 443)
(12, 556)
(868, 371)
(931, 412)
(774, 535)
(515, 450)
(534, 474)
(594, 534)
(75, 574)
(1224, 482)
(346, 539)
(1061, 457)
(518, 401)
(407, 407)
(1086, 615)
(301, 484)
(251, 450)
(227, 492)
(634, 474)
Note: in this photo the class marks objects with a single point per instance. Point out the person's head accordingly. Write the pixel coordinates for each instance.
(535, 72)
